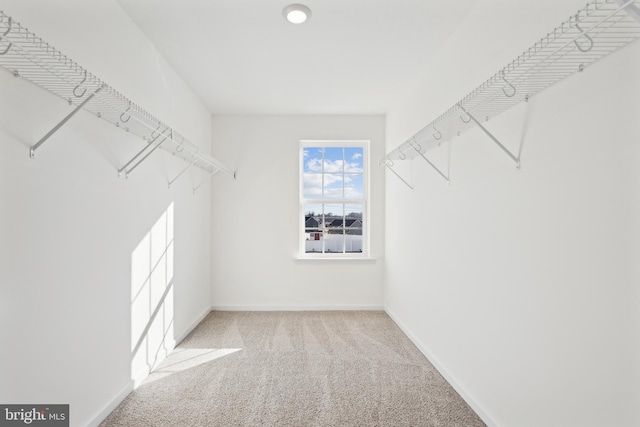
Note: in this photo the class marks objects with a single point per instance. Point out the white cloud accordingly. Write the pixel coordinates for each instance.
(352, 167)
(312, 184)
(352, 193)
(332, 166)
(314, 165)
(335, 172)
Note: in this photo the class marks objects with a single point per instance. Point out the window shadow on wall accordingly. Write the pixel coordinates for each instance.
(152, 298)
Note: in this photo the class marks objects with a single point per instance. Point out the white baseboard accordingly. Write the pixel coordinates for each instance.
(113, 404)
(297, 308)
(192, 326)
(140, 376)
(484, 415)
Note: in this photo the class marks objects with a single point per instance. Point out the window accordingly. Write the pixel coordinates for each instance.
(334, 199)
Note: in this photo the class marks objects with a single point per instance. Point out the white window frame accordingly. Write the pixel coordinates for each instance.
(364, 144)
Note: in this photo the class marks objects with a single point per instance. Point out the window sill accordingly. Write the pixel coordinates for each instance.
(363, 260)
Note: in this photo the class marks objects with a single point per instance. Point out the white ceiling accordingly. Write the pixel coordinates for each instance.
(351, 57)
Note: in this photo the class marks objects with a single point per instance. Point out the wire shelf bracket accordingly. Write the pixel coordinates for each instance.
(390, 164)
(158, 145)
(490, 135)
(32, 150)
(195, 159)
(600, 28)
(418, 148)
(26, 55)
(138, 154)
(207, 179)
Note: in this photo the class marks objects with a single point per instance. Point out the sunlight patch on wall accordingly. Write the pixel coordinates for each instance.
(152, 298)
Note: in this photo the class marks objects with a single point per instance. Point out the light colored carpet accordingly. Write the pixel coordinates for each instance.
(350, 368)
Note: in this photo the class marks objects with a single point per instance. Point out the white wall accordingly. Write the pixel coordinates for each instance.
(261, 206)
(522, 286)
(69, 226)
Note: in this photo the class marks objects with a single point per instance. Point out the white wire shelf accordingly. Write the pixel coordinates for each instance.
(595, 31)
(28, 56)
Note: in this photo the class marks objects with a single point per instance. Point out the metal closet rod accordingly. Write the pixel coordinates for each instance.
(596, 30)
(28, 56)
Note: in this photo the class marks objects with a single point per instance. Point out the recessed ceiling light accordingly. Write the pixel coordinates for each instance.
(296, 13)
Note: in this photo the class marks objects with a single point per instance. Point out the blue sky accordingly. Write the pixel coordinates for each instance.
(341, 167)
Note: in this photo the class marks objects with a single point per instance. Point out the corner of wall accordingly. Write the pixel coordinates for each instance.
(471, 400)
(192, 326)
(111, 405)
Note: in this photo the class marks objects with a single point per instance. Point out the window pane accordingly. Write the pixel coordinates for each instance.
(354, 222)
(313, 243)
(353, 158)
(312, 185)
(313, 228)
(353, 243)
(333, 211)
(333, 230)
(334, 238)
(333, 186)
(334, 242)
(353, 211)
(353, 186)
(312, 158)
(333, 160)
(333, 214)
(313, 211)
(354, 225)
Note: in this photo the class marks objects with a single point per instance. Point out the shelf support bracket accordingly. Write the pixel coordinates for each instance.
(493, 138)
(32, 150)
(164, 138)
(630, 8)
(205, 180)
(389, 164)
(418, 149)
(139, 153)
(195, 159)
